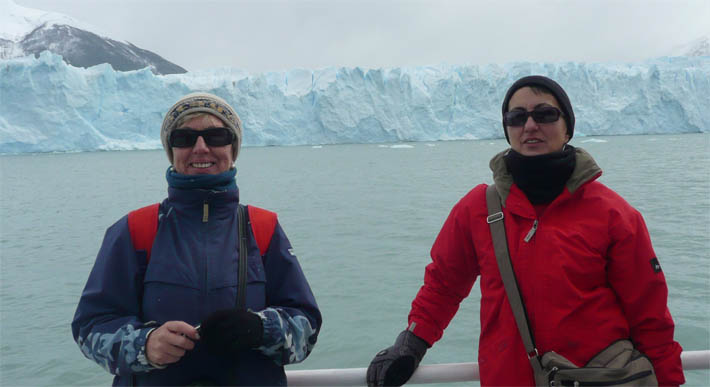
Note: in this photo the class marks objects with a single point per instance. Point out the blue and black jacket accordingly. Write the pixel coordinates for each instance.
(192, 273)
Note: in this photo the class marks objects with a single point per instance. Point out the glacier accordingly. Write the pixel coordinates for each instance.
(47, 105)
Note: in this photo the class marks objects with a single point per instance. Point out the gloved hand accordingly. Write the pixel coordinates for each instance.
(395, 365)
(227, 332)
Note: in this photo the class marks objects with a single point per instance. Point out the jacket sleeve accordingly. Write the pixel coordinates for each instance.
(636, 277)
(447, 279)
(291, 319)
(105, 325)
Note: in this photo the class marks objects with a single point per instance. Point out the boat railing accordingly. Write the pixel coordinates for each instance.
(438, 373)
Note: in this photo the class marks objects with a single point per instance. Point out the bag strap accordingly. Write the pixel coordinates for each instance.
(242, 276)
(500, 246)
(143, 225)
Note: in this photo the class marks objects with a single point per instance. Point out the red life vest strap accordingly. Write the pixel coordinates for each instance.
(143, 225)
(263, 223)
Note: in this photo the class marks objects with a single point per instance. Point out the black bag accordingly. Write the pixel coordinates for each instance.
(619, 364)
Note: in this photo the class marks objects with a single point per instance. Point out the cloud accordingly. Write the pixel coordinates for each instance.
(277, 35)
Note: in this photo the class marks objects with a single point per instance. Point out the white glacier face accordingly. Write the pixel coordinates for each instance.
(47, 105)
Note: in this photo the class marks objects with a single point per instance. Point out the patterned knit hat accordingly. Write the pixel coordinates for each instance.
(557, 91)
(201, 102)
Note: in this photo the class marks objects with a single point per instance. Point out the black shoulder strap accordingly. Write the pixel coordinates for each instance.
(500, 245)
(243, 256)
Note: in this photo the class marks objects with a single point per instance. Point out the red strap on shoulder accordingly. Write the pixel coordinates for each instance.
(143, 225)
(263, 223)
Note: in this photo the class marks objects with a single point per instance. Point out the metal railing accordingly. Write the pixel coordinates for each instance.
(438, 373)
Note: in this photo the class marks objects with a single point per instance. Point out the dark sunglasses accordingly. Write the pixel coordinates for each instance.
(183, 137)
(541, 115)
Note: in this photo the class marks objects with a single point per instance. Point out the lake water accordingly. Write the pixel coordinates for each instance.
(362, 219)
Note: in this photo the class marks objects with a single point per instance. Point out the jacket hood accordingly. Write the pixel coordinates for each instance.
(585, 170)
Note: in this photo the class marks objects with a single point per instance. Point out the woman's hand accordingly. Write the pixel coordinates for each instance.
(168, 343)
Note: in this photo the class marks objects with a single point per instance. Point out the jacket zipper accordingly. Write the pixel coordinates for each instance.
(531, 232)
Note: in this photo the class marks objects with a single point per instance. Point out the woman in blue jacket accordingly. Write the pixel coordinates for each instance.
(168, 316)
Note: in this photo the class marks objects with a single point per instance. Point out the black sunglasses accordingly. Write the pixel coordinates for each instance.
(541, 115)
(184, 137)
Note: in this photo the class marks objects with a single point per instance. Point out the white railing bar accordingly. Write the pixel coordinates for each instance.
(695, 360)
(438, 373)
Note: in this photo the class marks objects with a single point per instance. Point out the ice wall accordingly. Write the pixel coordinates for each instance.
(47, 105)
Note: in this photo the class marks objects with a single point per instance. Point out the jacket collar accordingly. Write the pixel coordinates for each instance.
(197, 197)
(585, 170)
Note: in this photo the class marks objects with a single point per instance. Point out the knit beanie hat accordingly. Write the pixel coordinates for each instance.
(555, 89)
(201, 102)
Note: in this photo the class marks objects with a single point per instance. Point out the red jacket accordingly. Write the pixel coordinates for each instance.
(588, 276)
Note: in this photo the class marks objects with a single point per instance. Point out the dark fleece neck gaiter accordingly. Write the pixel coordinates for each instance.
(542, 178)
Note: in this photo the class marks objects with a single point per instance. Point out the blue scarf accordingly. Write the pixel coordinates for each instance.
(224, 181)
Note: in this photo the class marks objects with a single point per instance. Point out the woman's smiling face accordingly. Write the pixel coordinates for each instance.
(532, 138)
(202, 159)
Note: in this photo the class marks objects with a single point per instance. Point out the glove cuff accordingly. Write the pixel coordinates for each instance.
(408, 343)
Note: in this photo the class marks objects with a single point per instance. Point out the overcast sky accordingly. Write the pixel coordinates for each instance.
(263, 35)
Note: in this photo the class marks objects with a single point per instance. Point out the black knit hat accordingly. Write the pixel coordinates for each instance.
(555, 89)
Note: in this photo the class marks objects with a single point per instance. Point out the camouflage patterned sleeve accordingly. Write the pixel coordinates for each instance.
(119, 352)
(291, 318)
(106, 325)
(287, 339)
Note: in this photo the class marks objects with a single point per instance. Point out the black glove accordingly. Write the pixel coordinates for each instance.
(395, 365)
(229, 331)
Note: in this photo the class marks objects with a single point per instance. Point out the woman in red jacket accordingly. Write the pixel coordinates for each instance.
(582, 257)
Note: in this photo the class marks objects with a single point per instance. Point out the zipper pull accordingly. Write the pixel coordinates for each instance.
(205, 212)
(531, 232)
